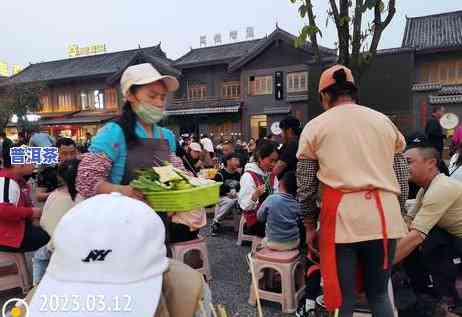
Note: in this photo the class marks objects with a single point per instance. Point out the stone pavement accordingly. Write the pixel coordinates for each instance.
(231, 280)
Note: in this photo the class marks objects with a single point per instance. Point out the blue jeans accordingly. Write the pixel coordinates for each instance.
(40, 263)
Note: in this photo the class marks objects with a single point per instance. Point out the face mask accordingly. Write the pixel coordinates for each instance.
(149, 114)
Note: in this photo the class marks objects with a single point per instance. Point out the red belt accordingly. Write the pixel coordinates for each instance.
(330, 202)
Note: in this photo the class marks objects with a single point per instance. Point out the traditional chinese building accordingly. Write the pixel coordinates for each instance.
(437, 41)
(82, 93)
(240, 89)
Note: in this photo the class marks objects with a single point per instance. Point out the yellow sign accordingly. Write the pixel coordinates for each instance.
(4, 69)
(16, 69)
(74, 50)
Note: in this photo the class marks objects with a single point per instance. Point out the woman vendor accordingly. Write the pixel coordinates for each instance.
(135, 141)
(355, 153)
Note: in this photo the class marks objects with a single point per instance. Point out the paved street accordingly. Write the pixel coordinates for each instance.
(231, 280)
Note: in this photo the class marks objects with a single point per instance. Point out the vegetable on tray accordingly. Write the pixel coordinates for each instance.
(165, 178)
(168, 189)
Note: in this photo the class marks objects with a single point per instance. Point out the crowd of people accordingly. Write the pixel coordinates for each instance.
(338, 189)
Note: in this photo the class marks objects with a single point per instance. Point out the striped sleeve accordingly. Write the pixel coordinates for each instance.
(93, 169)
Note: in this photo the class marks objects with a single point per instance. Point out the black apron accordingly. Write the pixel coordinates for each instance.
(144, 154)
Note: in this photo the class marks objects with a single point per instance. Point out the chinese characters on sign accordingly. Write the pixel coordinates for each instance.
(34, 155)
(16, 69)
(233, 35)
(75, 51)
(203, 40)
(217, 38)
(4, 69)
(250, 32)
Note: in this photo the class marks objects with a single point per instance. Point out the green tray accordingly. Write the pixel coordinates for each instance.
(184, 200)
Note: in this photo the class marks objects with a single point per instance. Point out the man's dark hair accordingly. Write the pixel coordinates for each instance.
(230, 157)
(291, 122)
(229, 142)
(342, 87)
(2, 134)
(289, 181)
(429, 153)
(65, 142)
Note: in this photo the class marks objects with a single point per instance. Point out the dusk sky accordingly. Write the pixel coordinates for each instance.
(34, 31)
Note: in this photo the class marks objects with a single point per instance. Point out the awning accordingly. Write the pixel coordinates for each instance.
(276, 109)
(203, 110)
(76, 120)
(70, 120)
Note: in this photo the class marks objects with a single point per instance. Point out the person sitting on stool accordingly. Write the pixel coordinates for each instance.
(435, 236)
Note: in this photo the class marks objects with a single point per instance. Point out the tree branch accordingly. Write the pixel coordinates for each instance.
(334, 9)
(313, 36)
(379, 26)
(343, 28)
(357, 31)
(391, 13)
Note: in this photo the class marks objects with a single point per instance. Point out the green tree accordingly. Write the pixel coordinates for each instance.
(20, 100)
(353, 30)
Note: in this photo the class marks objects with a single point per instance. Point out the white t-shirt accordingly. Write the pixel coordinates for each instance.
(207, 144)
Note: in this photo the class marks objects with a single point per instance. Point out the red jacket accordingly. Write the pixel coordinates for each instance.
(14, 210)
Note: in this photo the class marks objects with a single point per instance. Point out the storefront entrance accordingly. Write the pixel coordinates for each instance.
(258, 126)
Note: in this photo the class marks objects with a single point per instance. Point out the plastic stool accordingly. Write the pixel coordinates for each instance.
(287, 264)
(14, 277)
(241, 236)
(255, 243)
(180, 249)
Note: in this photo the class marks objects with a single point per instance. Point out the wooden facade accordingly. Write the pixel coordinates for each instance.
(230, 90)
(82, 93)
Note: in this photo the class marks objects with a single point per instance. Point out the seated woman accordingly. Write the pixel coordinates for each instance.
(17, 231)
(58, 203)
(257, 183)
(281, 212)
(134, 141)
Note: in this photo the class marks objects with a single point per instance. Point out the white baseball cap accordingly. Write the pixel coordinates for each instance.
(110, 249)
(195, 147)
(143, 74)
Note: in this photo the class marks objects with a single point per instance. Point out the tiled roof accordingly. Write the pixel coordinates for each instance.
(434, 31)
(278, 34)
(93, 65)
(393, 51)
(206, 110)
(221, 53)
(450, 90)
(426, 86)
(445, 99)
(237, 53)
